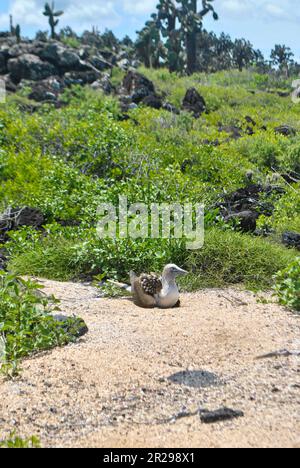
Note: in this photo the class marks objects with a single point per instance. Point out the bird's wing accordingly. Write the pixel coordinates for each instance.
(140, 296)
(151, 284)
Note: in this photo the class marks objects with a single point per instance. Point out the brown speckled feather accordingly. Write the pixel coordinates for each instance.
(144, 289)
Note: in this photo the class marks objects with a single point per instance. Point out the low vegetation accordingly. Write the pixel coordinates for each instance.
(288, 285)
(15, 441)
(26, 322)
(67, 161)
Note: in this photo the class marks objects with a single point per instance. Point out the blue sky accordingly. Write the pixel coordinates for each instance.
(263, 22)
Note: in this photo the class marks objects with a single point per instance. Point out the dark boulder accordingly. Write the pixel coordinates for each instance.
(284, 94)
(208, 142)
(19, 49)
(62, 58)
(251, 124)
(103, 84)
(139, 95)
(3, 259)
(291, 239)
(9, 85)
(246, 204)
(100, 63)
(30, 67)
(68, 60)
(194, 102)
(187, 164)
(170, 108)
(247, 220)
(47, 90)
(250, 121)
(3, 61)
(138, 86)
(73, 326)
(234, 132)
(81, 77)
(108, 55)
(244, 198)
(286, 130)
(153, 101)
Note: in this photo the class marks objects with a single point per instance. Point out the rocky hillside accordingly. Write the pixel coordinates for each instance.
(47, 68)
(42, 70)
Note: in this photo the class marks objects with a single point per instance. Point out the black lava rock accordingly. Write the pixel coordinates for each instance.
(74, 326)
(3, 259)
(286, 130)
(291, 239)
(170, 108)
(247, 220)
(194, 102)
(153, 101)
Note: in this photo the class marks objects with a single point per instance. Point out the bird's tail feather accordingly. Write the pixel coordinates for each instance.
(124, 286)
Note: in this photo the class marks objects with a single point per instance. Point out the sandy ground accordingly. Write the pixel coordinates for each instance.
(127, 380)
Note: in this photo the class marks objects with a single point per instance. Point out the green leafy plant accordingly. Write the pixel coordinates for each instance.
(14, 441)
(67, 161)
(288, 285)
(26, 323)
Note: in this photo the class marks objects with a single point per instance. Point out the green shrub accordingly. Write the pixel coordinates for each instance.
(15, 441)
(67, 161)
(229, 258)
(226, 258)
(26, 323)
(288, 285)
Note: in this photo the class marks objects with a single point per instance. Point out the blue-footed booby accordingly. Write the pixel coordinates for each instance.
(149, 291)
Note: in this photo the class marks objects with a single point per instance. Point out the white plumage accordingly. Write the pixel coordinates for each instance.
(150, 291)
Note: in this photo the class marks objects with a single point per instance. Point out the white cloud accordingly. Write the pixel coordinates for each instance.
(259, 9)
(77, 13)
(138, 7)
(235, 6)
(81, 14)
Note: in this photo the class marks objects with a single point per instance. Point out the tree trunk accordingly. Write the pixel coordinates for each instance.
(171, 31)
(191, 52)
(147, 60)
(191, 45)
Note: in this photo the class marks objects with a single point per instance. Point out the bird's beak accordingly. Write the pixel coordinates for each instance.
(182, 272)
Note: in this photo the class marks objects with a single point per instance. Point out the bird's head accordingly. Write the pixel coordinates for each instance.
(171, 271)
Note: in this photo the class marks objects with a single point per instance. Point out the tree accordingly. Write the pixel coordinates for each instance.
(191, 25)
(223, 52)
(261, 64)
(127, 41)
(149, 46)
(110, 41)
(185, 36)
(18, 33)
(243, 54)
(15, 31)
(282, 57)
(11, 23)
(52, 14)
(214, 53)
(166, 22)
